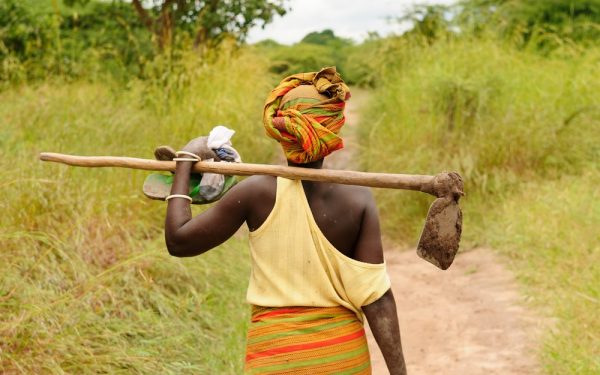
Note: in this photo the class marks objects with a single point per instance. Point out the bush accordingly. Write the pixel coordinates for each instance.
(92, 41)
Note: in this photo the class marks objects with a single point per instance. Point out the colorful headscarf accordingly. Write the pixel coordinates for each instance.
(306, 128)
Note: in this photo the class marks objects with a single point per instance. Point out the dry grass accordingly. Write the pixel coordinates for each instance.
(86, 284)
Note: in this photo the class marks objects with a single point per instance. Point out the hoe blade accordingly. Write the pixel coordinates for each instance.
(441, 234)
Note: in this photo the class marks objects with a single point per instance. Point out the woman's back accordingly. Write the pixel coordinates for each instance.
(338, 211)
(295, 264)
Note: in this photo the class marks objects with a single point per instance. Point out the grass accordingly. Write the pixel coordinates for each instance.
(147, 313)
(523, 130)
(550, 233)
(87, 287)
(86, 284)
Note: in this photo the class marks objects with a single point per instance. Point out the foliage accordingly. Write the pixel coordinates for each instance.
(544, 24)
(24, 36)
(92, 38)
(326, 38)
(361, 65)
(539, 25)
(87, 285)
(429, 22)
(18, 32)
(523, 131)
(37, 41)
(315, 51)
(301, 57)
(206, 20)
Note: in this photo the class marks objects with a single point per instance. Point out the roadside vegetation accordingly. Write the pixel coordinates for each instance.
(517, 113)
(504, 92)
(86, 283)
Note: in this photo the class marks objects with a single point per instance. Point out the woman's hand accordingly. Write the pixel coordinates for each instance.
(198, 146)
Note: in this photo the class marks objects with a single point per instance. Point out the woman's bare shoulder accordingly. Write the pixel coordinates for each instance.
(360, 195)
(259, 184)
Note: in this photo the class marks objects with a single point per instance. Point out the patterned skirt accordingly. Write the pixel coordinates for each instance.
(306, 340)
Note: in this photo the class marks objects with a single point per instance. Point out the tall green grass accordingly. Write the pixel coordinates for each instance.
(524, 132)
(86, 284)
(497, 115)
(549, 230)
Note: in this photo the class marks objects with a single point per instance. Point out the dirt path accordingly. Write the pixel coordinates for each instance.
(467, 320)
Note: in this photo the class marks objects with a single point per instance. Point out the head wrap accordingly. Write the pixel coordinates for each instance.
(307, 126)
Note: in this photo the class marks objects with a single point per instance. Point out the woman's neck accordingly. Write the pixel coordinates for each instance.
(317, 164)
(310, 187)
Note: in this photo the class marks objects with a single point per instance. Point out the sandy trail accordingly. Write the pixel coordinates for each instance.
(467, 320)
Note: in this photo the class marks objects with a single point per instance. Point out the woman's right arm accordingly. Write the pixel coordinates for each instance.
(383, 321)
(381, 314)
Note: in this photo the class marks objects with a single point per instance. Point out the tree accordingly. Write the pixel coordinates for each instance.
(576, 20)
(205, 20)
(319, 37)
(430, 22)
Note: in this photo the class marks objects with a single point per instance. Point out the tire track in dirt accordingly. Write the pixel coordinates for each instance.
(467, 320)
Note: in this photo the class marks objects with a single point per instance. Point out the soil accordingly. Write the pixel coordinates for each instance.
(469, 319)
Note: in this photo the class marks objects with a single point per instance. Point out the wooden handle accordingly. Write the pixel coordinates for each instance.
(383, 180)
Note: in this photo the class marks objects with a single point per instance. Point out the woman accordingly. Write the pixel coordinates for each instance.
(317, 258)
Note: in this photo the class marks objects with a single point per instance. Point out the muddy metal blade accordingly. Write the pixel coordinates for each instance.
(441, 234)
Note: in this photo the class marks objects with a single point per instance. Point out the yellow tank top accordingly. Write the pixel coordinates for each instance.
(293, 264)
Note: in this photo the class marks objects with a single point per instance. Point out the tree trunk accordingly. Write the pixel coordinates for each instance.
(202, 33)
(144, 16)
(201, 37)
(164, 30)
(162, 27)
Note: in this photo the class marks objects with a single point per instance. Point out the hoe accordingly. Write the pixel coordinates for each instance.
(440, 236)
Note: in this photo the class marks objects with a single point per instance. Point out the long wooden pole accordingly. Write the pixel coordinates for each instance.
(382, 180)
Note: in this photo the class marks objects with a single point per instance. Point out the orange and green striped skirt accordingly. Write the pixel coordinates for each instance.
(306, 340)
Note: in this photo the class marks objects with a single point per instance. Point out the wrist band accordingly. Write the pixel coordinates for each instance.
(178, 196)
(185, 159)
(190, 154)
